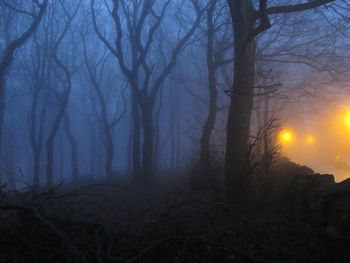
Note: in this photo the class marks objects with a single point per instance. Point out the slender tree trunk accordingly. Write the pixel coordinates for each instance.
(136, 141)
(210, 121)
(157, 133)
(36, 136)
(49, 161)
(93, 172)
(173, 133)
(109, 151)
(266, 118)
(136, 132)
(207, 130)
(50, 144)
(36, 169)
(61, 150)
(259, 128)
(213, 94)
(74, 149)
(266, 110)
(130, 148)
(177, 128)
(2, 106)
(241, 104)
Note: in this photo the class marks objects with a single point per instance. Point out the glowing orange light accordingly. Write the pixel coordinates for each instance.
(285, 136)
(310, 139)
(347, 120)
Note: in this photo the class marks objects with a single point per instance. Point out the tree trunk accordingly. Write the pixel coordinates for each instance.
(49, 161)
(241, 104)
(148, 143)
(172, 136)
(136, 141)
(93, 172)
(259, 128)
(36, 169)
(178, 128)
(50, 144)
(109, 149)
(2, 106)
(74, 149)
(213, 94)
(61, 151)
(157, 136)
(207, 131)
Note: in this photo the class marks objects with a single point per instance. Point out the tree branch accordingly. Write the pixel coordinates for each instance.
(297, 7)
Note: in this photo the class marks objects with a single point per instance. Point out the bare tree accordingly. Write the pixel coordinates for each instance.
(63, 97)
(12, 45)
(95, 72)
(39, 70)
(244, 19)
(144, 90)
(218, 43)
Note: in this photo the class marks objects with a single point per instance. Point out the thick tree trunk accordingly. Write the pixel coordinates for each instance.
(148, 143)
(241, 105)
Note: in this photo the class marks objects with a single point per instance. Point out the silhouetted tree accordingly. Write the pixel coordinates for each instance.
(95, 72)
(140, 70)
(39, 70)
(244, 19)
(63, 96)
(13, 44)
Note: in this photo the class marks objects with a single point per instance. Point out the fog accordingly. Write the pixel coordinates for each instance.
(202, 94)
(79, 66)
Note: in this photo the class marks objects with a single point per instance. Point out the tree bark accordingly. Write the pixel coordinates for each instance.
(241, 104)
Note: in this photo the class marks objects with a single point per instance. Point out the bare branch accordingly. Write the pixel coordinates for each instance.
(297, 7)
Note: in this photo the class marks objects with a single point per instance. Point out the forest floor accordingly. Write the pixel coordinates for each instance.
(117, 222)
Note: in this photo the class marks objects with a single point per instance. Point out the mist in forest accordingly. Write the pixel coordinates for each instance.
(228, 101)
(89, 95)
